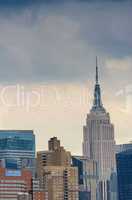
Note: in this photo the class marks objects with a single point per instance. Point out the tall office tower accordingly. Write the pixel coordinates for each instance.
(87, 177)
(124, 175)
(58, 179)
(17, 149)
(98, 141)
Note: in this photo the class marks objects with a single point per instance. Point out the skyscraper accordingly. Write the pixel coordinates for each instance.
(124, 175)
(98, 138)
(17, 149)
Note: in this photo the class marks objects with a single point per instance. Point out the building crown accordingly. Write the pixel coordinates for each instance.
(97, 103)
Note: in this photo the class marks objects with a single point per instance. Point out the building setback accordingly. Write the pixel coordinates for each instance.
(55, 156)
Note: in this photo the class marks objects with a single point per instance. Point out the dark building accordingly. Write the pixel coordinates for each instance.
(124, 175)
(84, 195)
(123, 147)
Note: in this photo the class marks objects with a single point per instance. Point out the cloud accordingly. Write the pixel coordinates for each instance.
(59, 41)
(123, 64)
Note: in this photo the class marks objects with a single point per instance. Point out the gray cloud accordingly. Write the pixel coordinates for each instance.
(60, 41)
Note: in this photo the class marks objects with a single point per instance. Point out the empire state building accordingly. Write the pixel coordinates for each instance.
(98, 135)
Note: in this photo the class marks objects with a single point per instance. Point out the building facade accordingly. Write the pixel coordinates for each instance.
(61, 182)
(87, 177)
(23, 196)
(19, 185)
(13, 183)
(98, 139)
(37, 192)
(55, 156)
(124, 175)
(17, 149)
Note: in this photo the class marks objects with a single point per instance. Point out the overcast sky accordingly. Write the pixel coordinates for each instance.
(47, 66)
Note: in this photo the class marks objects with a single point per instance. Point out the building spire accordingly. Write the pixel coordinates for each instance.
(97, 76)
(97, 103)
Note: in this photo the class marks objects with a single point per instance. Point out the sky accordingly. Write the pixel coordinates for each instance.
(47, 66)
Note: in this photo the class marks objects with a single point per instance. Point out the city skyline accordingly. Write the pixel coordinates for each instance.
(53, 47)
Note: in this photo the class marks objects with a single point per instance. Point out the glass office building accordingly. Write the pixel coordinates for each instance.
(17, 149)
(124, 175)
